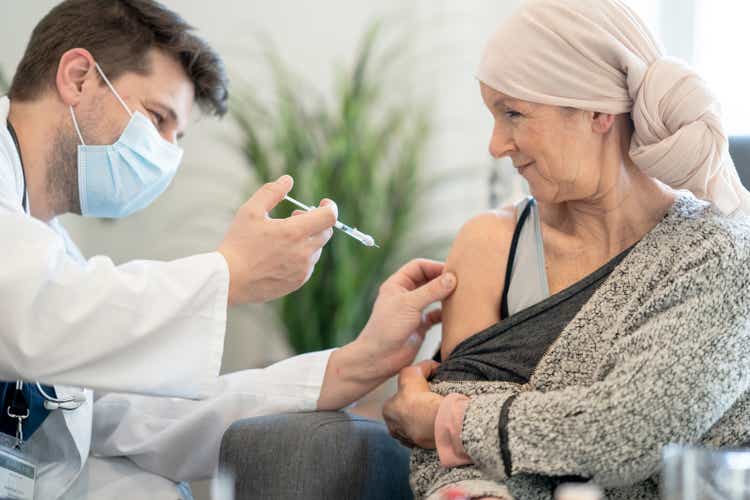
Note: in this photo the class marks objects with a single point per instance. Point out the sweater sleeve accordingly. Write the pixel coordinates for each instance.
(428, 476)
(669, 380)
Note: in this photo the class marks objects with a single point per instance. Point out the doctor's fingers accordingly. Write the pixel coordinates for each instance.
(414, 274)
(268, 196)
(315, 221)
(310, 250)
(318, 241)
(429, 320)
(323, 203)
(436, 290)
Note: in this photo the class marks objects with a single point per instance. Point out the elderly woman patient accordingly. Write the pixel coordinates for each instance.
(609, 314)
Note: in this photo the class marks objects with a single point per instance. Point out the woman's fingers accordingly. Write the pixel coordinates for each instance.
(427, 367)
(398, 436)
(417, 374)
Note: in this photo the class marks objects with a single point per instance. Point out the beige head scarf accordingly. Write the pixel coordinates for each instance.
(598, 55)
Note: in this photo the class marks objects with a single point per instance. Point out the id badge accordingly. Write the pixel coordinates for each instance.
(17, 472)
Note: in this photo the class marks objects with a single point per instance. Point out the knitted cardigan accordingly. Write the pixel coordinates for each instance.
(659, 354)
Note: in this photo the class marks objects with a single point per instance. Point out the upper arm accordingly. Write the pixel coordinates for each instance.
(478, 258)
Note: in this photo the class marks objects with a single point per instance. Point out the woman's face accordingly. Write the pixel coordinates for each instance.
(557, 150)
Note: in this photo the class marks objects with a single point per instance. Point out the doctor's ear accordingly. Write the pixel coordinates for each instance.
(75, 72)
(602, 122)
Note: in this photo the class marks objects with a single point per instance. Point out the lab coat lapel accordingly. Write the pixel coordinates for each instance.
(80, 421)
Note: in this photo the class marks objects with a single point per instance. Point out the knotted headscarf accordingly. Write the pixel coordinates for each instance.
(598, 55)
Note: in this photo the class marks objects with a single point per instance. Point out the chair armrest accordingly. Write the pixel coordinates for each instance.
(318, 455)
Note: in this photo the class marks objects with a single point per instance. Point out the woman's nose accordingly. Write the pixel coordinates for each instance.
(501, 142)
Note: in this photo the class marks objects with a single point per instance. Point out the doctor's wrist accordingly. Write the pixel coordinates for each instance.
(351, 373)
(233, 268)
(368, 357)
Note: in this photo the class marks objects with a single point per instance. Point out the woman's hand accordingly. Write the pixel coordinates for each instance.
(392, 336)
(410, 414)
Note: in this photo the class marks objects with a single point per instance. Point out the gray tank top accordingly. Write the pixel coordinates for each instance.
(526, 279)
(531, 319)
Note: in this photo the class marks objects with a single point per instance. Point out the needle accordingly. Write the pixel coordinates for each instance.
(355, 233)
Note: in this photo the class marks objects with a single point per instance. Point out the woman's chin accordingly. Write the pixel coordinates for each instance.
(542, 193)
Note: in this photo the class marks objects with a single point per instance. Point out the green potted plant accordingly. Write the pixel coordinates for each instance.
(362, 150)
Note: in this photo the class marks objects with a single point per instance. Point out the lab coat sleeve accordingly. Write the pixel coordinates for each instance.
(180, 438)
(145, 327)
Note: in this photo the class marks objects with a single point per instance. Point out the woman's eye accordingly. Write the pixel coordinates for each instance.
(512, 114)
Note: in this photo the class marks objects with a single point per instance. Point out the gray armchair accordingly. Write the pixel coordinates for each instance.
(739, 149)
(315, 456)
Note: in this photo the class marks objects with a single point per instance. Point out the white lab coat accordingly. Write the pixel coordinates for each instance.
(151, 328)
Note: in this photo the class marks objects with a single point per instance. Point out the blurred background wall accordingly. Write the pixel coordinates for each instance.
(317, 37)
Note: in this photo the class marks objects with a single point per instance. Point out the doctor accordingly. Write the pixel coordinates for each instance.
(99, 100)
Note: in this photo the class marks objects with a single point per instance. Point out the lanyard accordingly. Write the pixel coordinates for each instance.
(13, 135)
(19, 407)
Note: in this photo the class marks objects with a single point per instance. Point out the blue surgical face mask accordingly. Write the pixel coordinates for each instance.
(119, 179)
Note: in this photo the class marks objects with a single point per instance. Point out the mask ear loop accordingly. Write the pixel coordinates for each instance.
(75, 124)
(117, 96)
(106, 80)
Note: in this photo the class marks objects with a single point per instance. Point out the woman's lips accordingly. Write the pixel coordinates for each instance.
(523, 167)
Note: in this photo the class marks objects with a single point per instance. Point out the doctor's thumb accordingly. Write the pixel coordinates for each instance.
(270, 194)
(438, 289)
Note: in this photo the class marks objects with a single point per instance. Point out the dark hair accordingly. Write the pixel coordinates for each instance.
(119, 34)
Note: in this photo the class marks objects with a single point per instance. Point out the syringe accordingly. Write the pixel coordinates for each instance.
(355, 233)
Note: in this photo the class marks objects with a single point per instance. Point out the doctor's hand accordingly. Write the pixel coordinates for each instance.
(392, 336)
(269, 258)
(398, 323)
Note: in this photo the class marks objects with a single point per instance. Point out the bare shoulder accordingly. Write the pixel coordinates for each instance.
(478, 258)
(486, 229)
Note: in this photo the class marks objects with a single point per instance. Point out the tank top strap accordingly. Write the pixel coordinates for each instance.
(525, 275)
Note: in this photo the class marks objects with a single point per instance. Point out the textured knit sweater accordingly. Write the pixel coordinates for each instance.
(659, 354)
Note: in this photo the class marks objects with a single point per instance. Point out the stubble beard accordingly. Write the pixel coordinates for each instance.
(62, 175)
